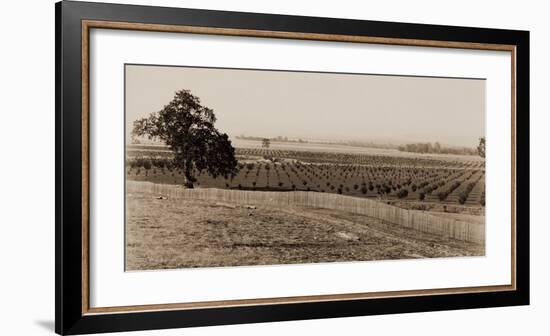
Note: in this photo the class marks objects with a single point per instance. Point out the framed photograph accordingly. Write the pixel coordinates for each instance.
(220, 167)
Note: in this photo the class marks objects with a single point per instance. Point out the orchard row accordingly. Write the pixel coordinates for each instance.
(382, 177)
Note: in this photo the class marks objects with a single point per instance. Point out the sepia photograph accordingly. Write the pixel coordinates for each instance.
(243, 167)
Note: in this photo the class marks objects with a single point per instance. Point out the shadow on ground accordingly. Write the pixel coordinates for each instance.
(46, 324)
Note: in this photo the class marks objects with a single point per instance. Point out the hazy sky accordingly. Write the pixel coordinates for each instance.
(319, 105)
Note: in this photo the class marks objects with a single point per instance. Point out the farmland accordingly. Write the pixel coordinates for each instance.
(257, 167)
(168, 233)
(410, 181)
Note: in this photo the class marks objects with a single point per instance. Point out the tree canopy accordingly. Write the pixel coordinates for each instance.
(437, 148)
(187, 127)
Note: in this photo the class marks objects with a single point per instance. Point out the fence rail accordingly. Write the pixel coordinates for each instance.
(425, 222)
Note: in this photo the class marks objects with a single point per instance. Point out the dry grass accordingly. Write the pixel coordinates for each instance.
(464, 217)
(175, 233)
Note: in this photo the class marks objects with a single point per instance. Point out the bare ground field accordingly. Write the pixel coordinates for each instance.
(175, 233)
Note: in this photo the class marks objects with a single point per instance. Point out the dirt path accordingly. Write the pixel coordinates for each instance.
(170, 233)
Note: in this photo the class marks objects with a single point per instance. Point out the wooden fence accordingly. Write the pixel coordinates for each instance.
(425, 222)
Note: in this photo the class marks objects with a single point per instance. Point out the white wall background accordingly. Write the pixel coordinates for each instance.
(27, 166)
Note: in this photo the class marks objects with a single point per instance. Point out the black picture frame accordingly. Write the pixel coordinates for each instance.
(69, 316)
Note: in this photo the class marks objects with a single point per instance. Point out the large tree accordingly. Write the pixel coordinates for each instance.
(187, 127)
(481, 147)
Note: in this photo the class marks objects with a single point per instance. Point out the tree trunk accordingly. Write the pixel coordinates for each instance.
(189, 179)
